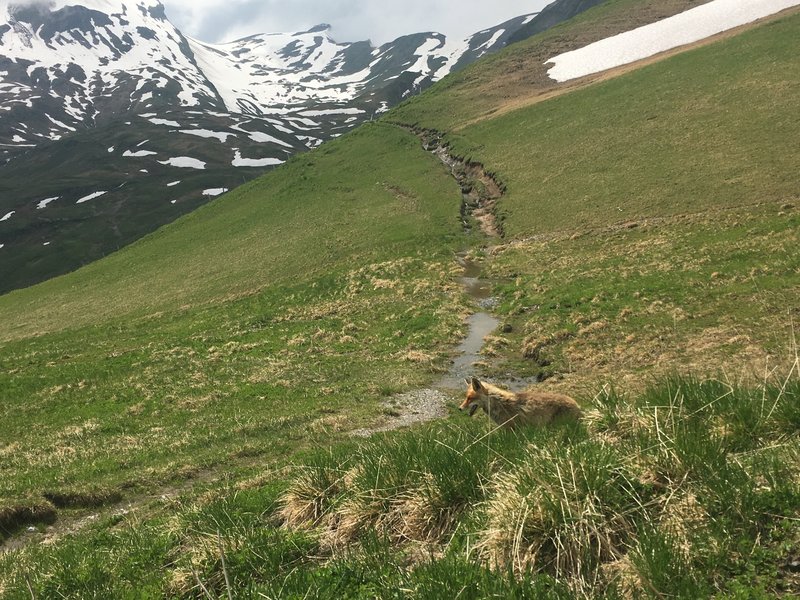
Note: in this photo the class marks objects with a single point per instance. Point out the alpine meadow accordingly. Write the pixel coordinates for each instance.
(257, 400)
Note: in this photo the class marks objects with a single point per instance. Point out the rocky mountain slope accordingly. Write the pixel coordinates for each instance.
(113, 123)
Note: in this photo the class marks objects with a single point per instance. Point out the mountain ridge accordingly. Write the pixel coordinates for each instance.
(111, 97)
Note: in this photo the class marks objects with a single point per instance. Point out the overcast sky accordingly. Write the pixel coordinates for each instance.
(352, 20)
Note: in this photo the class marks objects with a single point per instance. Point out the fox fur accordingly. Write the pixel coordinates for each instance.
(512, 410)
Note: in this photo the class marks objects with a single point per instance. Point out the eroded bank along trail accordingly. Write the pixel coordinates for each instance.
(480, 192)
(480, 189)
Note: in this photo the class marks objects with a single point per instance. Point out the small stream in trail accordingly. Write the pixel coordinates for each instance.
(479, 325)
(426, 404)
(480, 192)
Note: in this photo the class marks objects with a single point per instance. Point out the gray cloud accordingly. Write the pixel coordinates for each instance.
(352, 20)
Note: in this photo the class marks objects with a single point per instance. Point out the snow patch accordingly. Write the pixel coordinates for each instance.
(685, 28)
(7, 217)
(336, 111)
(214, 191)
(493, 40)
(262, 138)
(46, 201)
(138, 153)
(184, 162)
(90, 197)
(164, 122)
(238, 161)
(59, 123)
(173, 184)
(222, 136)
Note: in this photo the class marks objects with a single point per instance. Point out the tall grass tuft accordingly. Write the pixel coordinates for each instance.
(316, 486)
(661, 565)
(565, 513)
(415, 487)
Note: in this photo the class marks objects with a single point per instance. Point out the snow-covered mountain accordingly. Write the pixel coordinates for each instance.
(73, 64)
(78, 62)
(112, 122)
(263, 73)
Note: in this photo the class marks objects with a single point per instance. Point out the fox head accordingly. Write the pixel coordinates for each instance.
(476, 396)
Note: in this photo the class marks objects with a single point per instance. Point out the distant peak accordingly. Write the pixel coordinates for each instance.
(321, 28)
(107, 6)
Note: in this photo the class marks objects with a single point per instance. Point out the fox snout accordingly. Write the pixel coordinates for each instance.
(469, 404)
(471, 401)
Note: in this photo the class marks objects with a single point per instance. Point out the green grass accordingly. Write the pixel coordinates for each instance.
(222, 362)
(158, 367)
(709, 292)
(674, 492)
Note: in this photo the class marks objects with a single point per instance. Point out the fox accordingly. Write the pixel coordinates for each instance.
(512, 410)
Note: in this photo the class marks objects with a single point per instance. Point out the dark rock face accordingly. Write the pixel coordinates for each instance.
(551, 15)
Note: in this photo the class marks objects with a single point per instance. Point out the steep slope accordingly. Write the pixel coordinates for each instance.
(652, 226)
(478, 92)
(112, 123)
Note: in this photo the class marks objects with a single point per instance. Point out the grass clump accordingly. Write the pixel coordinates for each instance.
(315, 487)
(565, 512)
(403, 487)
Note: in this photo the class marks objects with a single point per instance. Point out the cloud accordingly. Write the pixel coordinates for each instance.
(29, 3)
(352, 20)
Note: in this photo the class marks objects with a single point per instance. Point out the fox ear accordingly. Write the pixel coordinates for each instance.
(476, 384)
(468, 380)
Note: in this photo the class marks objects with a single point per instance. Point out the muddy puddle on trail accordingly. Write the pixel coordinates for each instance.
(431, 403)
(479, 325)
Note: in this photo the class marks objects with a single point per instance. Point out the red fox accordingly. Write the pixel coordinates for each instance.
(512, 410)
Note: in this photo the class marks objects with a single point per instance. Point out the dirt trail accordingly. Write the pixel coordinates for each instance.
(75, 520)
(427, 404)
(480, 192)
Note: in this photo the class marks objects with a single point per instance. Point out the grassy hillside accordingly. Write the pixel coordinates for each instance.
(652, 219)
(273, 319)
(369, 197)
(188, 402)
(656, 142)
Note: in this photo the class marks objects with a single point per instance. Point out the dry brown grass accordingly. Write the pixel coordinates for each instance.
(550, 514)
(425, 514)
(309, 499)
